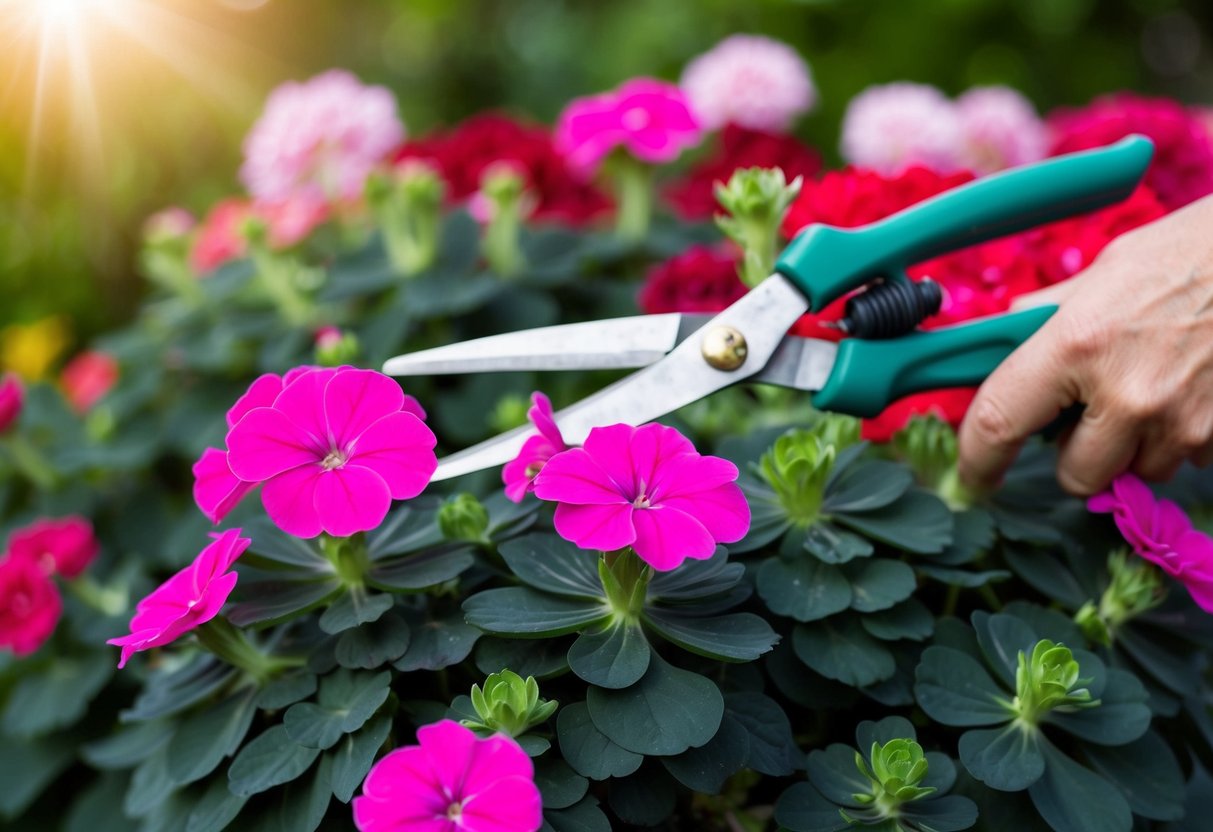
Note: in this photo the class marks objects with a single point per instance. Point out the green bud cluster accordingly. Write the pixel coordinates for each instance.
(1049, 680)
(508, 704)
(757, 200)
(463, 518)
(895, 770)
(408, 207)
(509, 204)
(928, 445)
(1135, 587)
(798, 465)
(625, 580)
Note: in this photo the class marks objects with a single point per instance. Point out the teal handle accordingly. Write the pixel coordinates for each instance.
(827, 262)
(868, 376)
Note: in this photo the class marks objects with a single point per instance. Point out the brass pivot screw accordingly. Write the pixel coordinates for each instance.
(724, 348)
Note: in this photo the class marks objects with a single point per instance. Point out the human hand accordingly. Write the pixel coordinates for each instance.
(1133, 341)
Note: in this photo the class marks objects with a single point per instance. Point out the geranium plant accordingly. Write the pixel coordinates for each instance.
(752, 616)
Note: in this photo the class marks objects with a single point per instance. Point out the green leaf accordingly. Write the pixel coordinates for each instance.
(271, 759)
(805, 588)
(345, 702)
(1121, 717)
(704, 770)
(373, 645)
(56, 695)
(168, 693)
(1047, 573)
(518, 611)
(408, 528)
(802, 809)
(205, 738)
(736, 637)
(217, 808)
(541, 658)
(830, 544)
(917, 522)
(839, 648)
(354, 754)
(833, 772)
(696, 579)
(584, 817)
(1074, 799)
(955, 690)
(772, 749)
(270, 600)
(559, 785)
(98, 808)
(128, 746)
(546, 562)
(28, 767)
(150, 785)
(951, 813)
(437, 644)
(590, 752)
(646, 798)
(1008, 759)
(417, 572)
(962, 577)
(1146, 772)
(271, 543)
(286, 690)
(304, 802)
(353, 608)
(879, 583)
(613, 656)
(868, 486)
(883, 731)
(908, 620)
(668, 711)
(1001, 638)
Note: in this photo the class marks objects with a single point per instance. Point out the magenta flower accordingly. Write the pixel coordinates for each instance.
(30, 605)
(332, 452)
(999, 129)
(12, 399)
(647, 488)
(187, 600)
(650, 119)
(321, 138)
(751, 81)
(1160, 531)
(452, 781)
(891, 127)
(65, 546)
(519, 475)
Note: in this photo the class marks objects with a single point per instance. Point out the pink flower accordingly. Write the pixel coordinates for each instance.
(647, 488)
(169, 224)
(87, 378)
(12, 399)
(221, 237)
(29, 605)
(332, 451)
(999, 129)
(892, 127)
(751, 81)
(519, 475)
(320, 138)
(1160, 531)
(648, 118)
(65, 546)
(187, 600)
(452, 781)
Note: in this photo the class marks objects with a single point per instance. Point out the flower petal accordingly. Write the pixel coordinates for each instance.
(665, 537)
(540, 415)
(400, 449)
(450, 748)
(302, 399)
(496, 757)
(723, 511)
(653, 448)
(686, 474)
(611, 448)
(355, 399)
(351, 499)
(267, 442)
(261, 393)
(290, 500)
(511, 804)
(596, 526)
(576, 477)
(216, 489)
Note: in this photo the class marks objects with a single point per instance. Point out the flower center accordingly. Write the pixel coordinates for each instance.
(642, 502)
(454, 812)
(533, 470)
(335, 459)
(636, 118)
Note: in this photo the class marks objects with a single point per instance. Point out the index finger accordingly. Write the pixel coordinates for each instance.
(1024, 394)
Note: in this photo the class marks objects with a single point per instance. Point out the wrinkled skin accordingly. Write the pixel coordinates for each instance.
(1133, 341)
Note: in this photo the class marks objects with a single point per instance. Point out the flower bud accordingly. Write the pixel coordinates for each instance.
(895, 770)
(757, 199)
(408, 206)
(509, 704)
(1049, 680)
(463, 518)
(1136, 586)
(12, 399)
(928, 445)
(799, 463)
(502, 203)
(335, 348)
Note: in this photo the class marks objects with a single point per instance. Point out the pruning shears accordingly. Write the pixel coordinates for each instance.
(687, 357)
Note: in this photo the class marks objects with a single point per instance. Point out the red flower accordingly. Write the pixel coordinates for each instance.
(64, 546)
(948, 405)
(692, 196)
(1182, 169)
(87, 378)
(463, 153)
(29, 605)
(701, 279)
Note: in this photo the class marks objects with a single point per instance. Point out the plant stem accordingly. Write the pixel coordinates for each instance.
(224, 640)
(30, 461)
(634, 189)
(108, 601)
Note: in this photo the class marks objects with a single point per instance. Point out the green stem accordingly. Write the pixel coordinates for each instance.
(990, 597)
(501, 248)
(951, 600)
(109, 601)
(30, 461)
(224, 640)
(634, 189)
(349, 557)
(277, 276)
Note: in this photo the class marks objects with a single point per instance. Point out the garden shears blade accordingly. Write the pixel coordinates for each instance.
(687, 357)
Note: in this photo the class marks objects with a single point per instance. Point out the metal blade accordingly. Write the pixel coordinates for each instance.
(595, 345)
(683, 376)
(800, 363)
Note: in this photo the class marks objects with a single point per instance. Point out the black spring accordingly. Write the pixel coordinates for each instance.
(891, 308)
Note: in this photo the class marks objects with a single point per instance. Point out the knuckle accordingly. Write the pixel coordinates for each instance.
(1085, 337)
(990, 422)
(1077, 480)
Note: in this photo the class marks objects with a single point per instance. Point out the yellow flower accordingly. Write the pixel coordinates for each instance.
(30, 349)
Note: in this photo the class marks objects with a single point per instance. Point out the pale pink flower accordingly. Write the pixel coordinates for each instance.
(650, 119)
(64, 546)
(647, 488)
(168, 224)
(519, 474)
(891, 127)
(749, 80)
(452, 781)
(30, 605)
(87, 378)
(187, 600)
(333, 451)
(999, 129)
(1160, 531)
(221, 236)
(321, 138)
(12, 399)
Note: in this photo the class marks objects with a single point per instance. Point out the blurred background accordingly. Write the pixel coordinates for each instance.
(113, 109)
